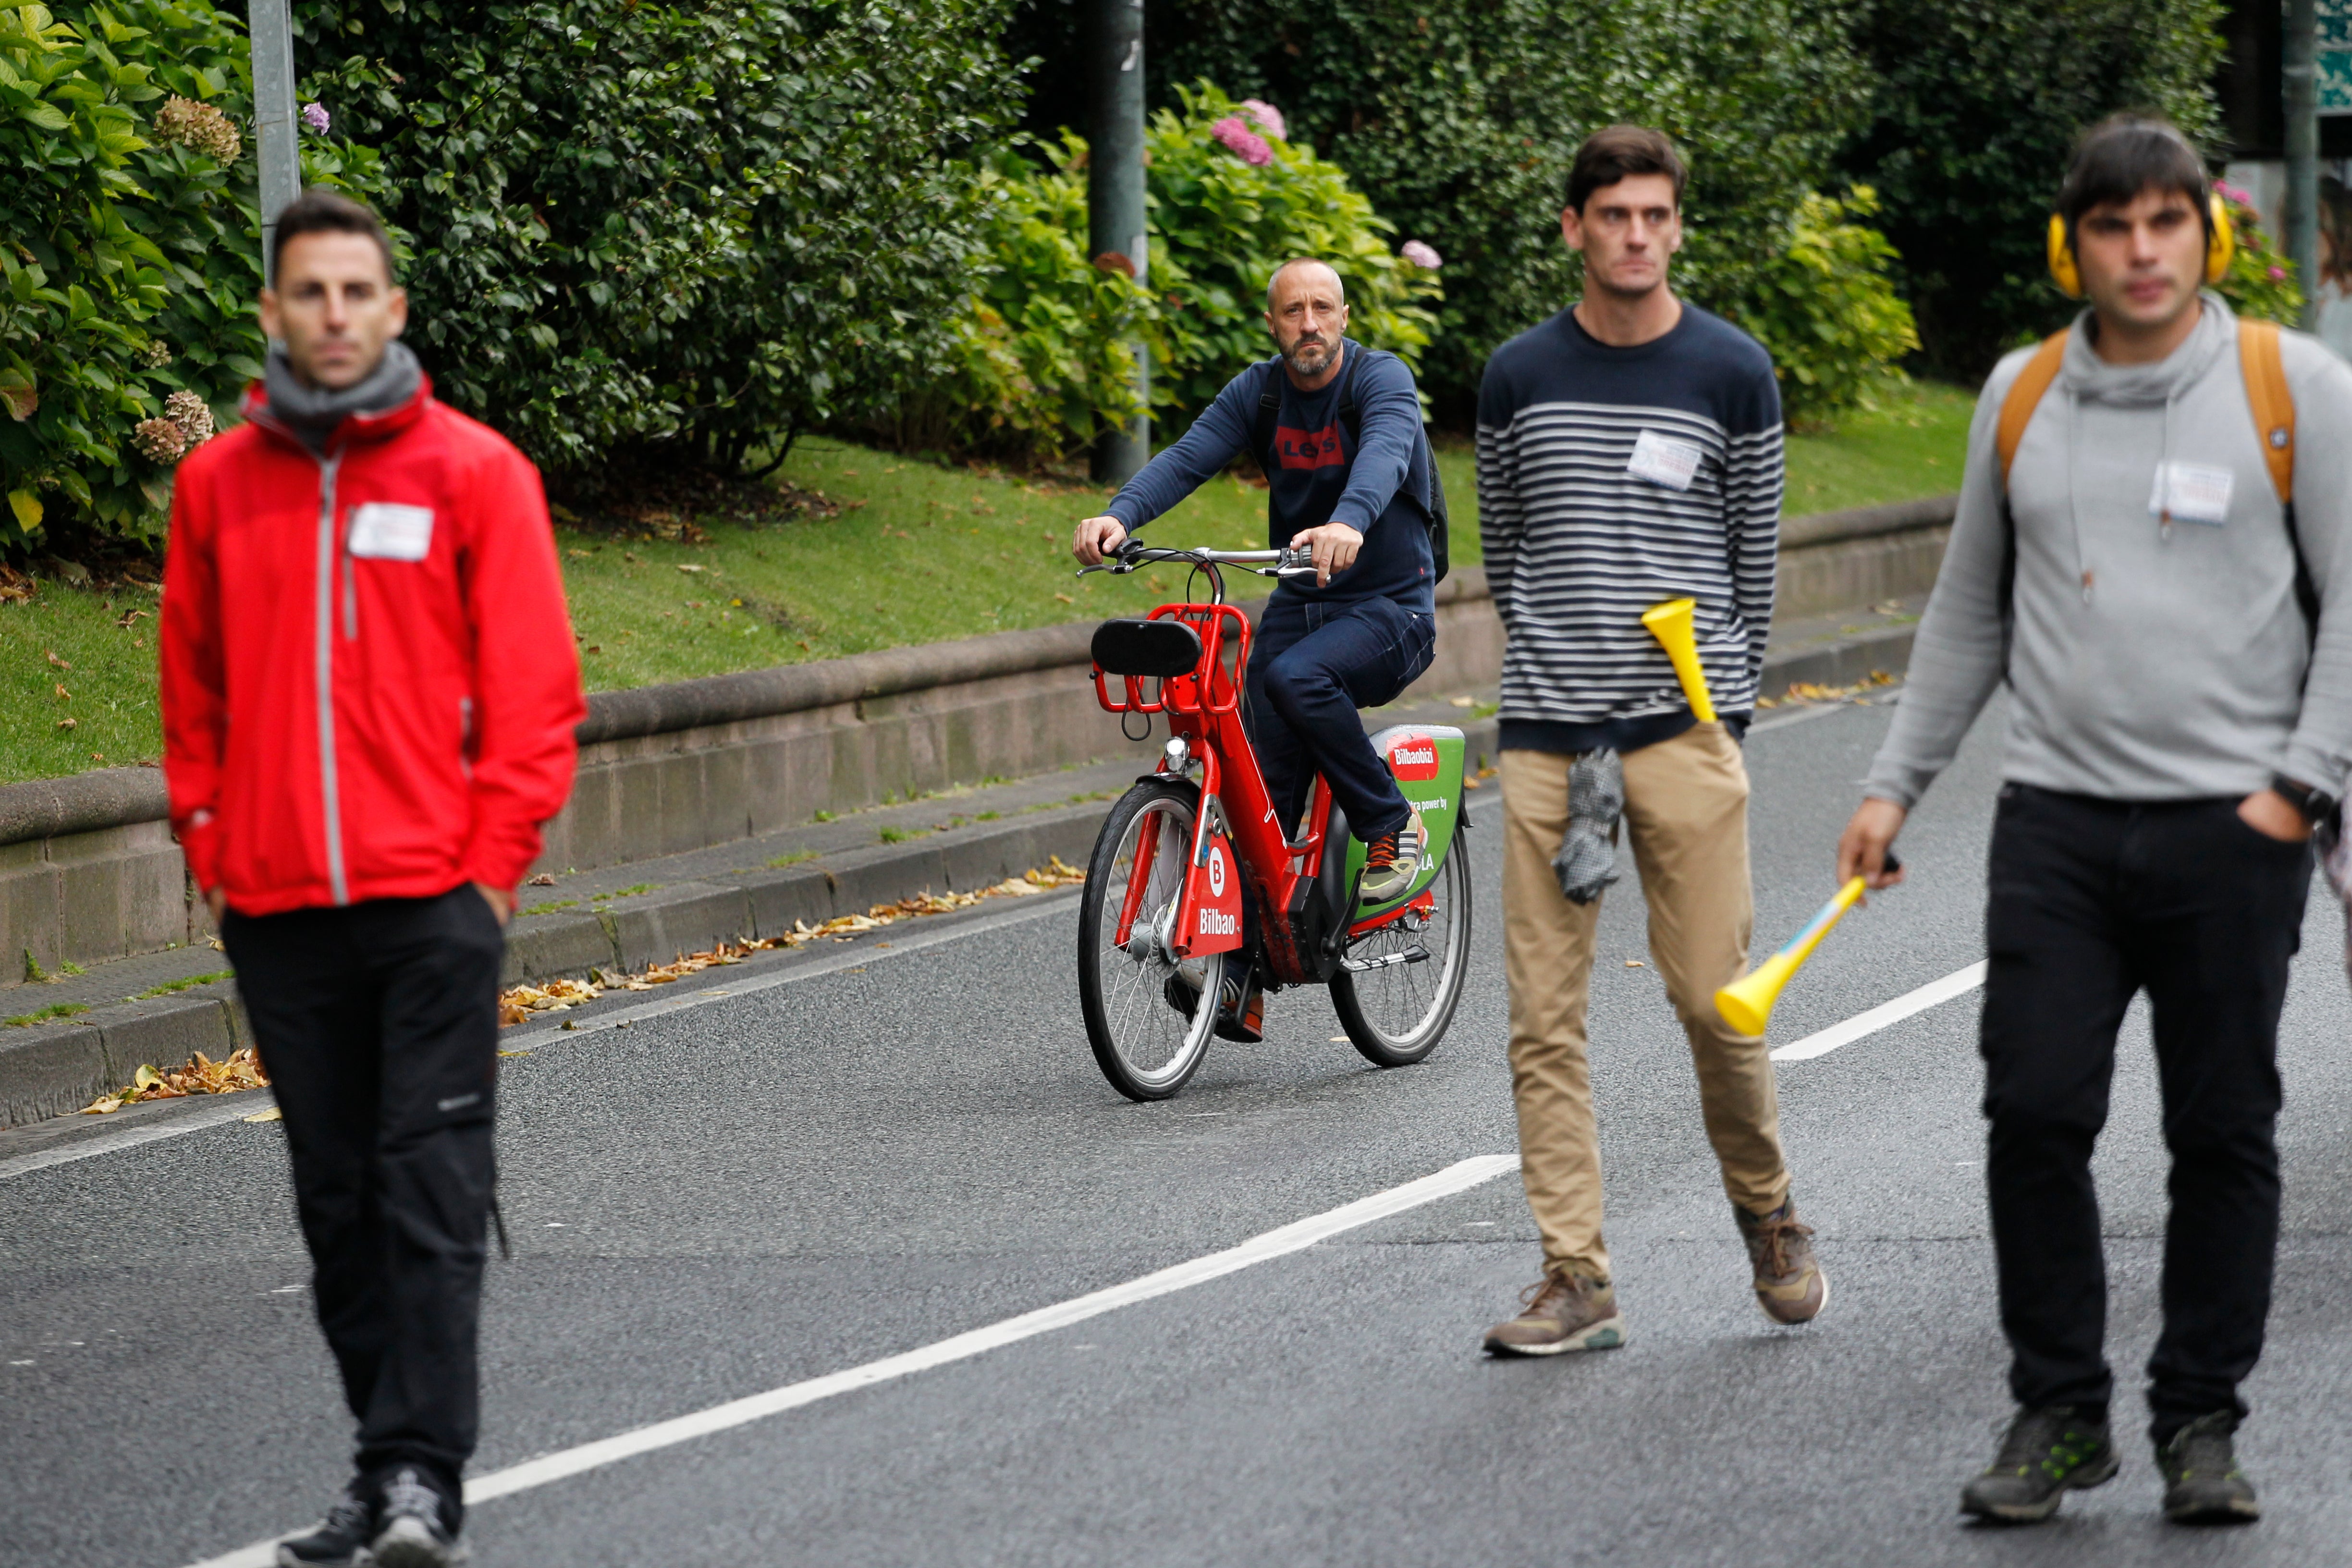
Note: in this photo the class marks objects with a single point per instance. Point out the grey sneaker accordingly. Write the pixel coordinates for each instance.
(2045, 1455)
(339, 1541)
(1789, 1283)
(2202, 1483)
(418, 1526)
(1561, 1312)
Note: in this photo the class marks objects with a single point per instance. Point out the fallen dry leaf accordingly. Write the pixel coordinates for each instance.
(517, 1005)
(200, 1075)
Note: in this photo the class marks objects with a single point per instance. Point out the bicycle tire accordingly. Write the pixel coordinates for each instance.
(1390, 1019)
(1144, 1046)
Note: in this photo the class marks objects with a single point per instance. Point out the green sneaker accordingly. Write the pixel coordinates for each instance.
(2047, 1453)
(2202, 1483)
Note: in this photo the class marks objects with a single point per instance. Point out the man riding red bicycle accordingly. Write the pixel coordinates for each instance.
(1336, 428)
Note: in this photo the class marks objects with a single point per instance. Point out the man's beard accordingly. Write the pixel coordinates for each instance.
(1311, 359)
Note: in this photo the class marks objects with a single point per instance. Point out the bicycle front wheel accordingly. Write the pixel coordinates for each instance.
(1398, 986)
(1148, 1015)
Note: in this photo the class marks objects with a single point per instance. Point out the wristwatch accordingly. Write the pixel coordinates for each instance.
(2316, 805)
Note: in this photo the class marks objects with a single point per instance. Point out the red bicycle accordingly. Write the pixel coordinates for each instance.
(1160, 929)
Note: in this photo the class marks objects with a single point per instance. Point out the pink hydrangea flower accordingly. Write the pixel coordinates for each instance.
(1268, 118)
(314, 115)
(1242, 141)
(2278, 273)
(1421, 255)
(2230, 193)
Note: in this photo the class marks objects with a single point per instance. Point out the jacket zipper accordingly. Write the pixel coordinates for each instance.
(329, 787)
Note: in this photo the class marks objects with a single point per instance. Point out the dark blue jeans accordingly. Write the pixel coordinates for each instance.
(1313, 666)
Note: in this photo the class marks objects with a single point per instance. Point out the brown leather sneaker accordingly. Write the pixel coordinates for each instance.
(1561, 1312)
(1789, 1283)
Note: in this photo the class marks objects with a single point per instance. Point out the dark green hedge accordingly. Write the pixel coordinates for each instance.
(672, 231)
(1459, 119)
(1975, 105)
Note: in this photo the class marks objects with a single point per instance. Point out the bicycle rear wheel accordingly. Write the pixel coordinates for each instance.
(1149, 1016)
(1398, 985)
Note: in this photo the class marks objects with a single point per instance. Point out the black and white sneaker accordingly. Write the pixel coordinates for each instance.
(416, 1524)
(340, 1541)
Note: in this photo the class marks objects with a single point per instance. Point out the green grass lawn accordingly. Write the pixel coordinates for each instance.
(921, 552)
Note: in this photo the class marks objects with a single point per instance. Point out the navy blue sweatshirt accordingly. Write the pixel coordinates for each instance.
(1380, 489)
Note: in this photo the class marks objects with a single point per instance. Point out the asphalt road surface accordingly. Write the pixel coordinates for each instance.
(903, 1145)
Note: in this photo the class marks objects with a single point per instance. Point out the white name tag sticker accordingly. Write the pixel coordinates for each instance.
(1663, 460)
(2191, 492)
(386, 530)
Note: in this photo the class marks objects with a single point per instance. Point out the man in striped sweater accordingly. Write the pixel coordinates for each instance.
(1629, 452)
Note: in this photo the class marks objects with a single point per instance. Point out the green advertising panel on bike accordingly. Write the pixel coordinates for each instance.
(1193, 884)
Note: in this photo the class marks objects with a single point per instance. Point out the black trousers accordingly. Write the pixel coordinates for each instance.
(378, 1023)
(2092, 901)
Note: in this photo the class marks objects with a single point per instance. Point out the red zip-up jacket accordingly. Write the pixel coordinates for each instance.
(369, 680)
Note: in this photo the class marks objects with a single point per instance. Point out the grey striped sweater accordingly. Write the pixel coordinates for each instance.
(1613, 479)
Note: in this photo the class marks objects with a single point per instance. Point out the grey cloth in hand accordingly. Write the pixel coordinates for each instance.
(1587, 861)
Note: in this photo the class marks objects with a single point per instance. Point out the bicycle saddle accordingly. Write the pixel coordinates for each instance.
(1162, 647)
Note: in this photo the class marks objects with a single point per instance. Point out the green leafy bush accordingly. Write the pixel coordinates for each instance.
(1233, 199)
(1825, 306)
(1975, 106)
(132, 255)
(673, 232)
(1460, 121)
(1042, 355)
(1042, 364)
(2260, 281)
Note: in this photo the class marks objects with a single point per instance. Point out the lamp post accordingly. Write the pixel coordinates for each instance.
(1117, 224)
(2301, 72)
(272, 32)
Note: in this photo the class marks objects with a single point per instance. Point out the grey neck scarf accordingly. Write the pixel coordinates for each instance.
(313, 413)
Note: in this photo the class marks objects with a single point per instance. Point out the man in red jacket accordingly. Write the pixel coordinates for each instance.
(369, 696)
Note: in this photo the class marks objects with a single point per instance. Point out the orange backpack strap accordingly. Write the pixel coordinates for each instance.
(2025, 395)
(2273, 405)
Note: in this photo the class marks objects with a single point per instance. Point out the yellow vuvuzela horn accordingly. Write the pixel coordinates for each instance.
(1746, 1004)
(1670, 623)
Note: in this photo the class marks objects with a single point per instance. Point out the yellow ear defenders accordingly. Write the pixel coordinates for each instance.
(2221, 244)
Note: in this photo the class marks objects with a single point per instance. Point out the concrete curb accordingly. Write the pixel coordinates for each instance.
(1844, 662)
(1868, 521)
(55, 1070)
(692, 917)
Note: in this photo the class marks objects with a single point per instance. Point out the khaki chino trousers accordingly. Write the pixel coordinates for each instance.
(1686, 813)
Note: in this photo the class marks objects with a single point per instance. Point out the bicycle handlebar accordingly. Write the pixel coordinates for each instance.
(1132, 556)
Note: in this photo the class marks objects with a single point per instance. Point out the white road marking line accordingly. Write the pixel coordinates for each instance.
(1294, 1237)
(1935, 994)
(231, 1109)
(851, 956)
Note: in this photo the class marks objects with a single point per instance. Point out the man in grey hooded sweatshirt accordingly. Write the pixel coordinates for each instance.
(2179, 652)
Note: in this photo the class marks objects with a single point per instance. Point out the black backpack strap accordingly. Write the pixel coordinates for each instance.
(1352, 415)
(1269, 410)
